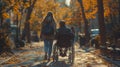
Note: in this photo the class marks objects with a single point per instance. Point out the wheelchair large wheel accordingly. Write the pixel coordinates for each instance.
(71, 55)
(55, 53)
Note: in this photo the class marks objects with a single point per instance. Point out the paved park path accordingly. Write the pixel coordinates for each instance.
(33, 57)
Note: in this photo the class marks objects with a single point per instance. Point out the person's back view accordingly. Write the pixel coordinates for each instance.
(64, 35)
(47, 34)
(48, 27)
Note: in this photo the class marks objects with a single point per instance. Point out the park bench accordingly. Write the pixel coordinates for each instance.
(111, 52)
(111, 55)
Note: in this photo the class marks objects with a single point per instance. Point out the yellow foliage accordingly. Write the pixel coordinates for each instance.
(90, 8)
(30, 21)
(26, 5)
(45, 6)
(110, 7)
(12, 1)
(5, 15)
(19, 16)
(107, 12)
(68, 21)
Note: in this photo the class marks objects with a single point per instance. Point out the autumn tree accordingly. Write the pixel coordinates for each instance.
(43, 6)
(27, 21)
(85, 21)
(1, 13)
(101, 22)
(5, 7)
(119, 9)
(111, 15)
(16, 8)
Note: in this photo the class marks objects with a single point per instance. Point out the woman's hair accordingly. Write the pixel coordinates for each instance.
(49, 18)
(50, 14)
(73, 29)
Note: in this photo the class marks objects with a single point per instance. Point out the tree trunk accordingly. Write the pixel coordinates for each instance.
(1, 19)
(27, 23)
(87, 36)
(4, 32)
(101, 22)
(119, 10)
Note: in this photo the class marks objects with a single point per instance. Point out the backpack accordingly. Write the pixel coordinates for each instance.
(48, 29)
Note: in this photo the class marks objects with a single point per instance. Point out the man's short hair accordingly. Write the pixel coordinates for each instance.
(62, 23)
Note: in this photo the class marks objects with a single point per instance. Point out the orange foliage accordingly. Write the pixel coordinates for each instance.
(90, 8)
(5, 15)
(42, 7)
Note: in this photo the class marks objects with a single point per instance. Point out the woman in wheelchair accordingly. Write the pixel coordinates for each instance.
(64, 37)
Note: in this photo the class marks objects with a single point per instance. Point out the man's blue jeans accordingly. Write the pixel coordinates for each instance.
(48, 46)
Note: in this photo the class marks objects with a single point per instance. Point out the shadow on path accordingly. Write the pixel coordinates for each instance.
(53, 64)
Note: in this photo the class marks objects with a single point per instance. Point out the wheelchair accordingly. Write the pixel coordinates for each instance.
(61, 47)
